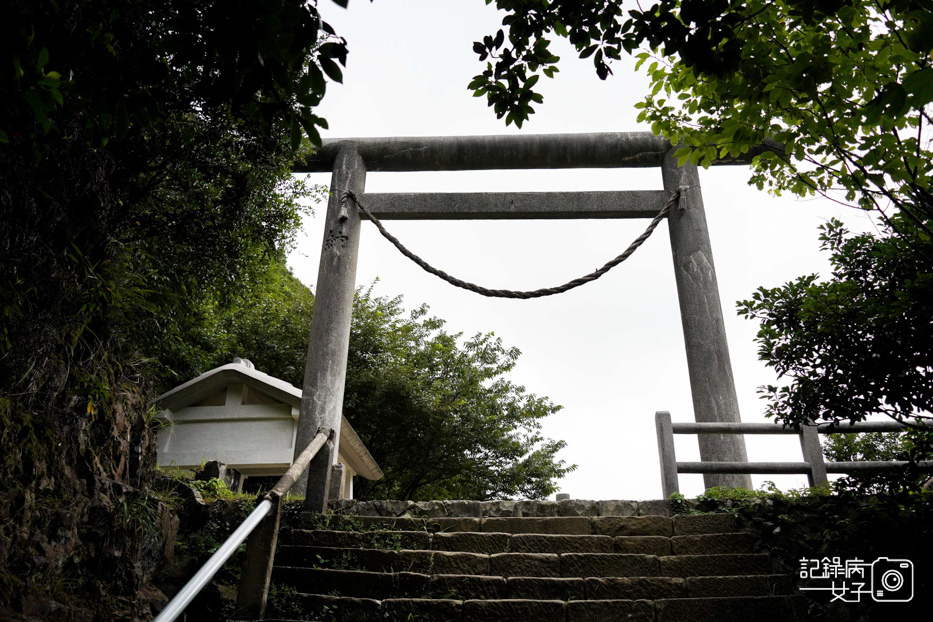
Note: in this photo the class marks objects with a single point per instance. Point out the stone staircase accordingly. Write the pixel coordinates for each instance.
(539, 562)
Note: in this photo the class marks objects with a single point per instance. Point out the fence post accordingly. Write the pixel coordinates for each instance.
(665, 430)
(813, 454)
(257, 568)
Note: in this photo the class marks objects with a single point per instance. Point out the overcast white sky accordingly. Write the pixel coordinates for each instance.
(612, 351)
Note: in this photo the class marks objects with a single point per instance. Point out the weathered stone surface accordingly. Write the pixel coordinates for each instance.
(468, 587)
(427, 509)
(450, 524)
(463, 509)
(538, 543)
(446, 562)
(759, 609)
(642, 545)
(712, 544)
(513, 611)
(335, 558)
(339, 559)
(577, 507)
(351, 609)
(366, 508)
(407, 609)
(472, 542)
(711, 382)
(524, 565)
(408, 523)
(414, 561)
(632, 526)
(537, 508)
(617, 508)
(307, 537)
(547, 588)
(355, 583)
(758, 585)
(391, 508)
(343, 506)
(657, 507)
(608, 565)
(365, 559)
(571, 525)
(603, 610)
(694, 524)
(358, 523)
(634, 588)
(395, 540)
(714, 565)
(500, 508)
(412, 584)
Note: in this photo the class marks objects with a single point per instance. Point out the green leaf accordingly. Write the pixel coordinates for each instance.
(39, 107)
(589, 50)
(920, 85)
(682, 155)
(331, 69)
(318, 83)
(308, 122)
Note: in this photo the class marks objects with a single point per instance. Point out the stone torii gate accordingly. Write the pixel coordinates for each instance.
(710, 370)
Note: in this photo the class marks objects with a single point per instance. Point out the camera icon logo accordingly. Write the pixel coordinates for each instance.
(892, 580)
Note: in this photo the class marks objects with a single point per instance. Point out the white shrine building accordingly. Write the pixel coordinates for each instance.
(247, 420)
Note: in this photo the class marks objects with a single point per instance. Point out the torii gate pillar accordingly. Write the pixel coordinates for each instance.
(711, 382)
(326, 366)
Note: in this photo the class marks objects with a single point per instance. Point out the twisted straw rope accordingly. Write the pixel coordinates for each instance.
(679, 196)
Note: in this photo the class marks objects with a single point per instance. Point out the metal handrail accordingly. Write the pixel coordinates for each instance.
(813, 466)
(203, 576)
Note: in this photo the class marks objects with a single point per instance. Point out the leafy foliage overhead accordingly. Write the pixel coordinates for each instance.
(844, 85)
(123, 65)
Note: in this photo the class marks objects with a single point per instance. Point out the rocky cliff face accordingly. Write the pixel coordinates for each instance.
(81, 529)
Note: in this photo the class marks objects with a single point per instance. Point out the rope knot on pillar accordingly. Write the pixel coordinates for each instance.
(682, 198)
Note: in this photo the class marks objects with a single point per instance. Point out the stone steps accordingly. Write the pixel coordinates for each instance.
(523, 564)
(744, 609)
(665, 526)
(382, 585)
(490, 543)
(482, 568)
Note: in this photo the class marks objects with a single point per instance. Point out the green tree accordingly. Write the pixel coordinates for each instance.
(434, 409)
(144, 158)
(857, 344)
(910, 446)
(438, 415)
